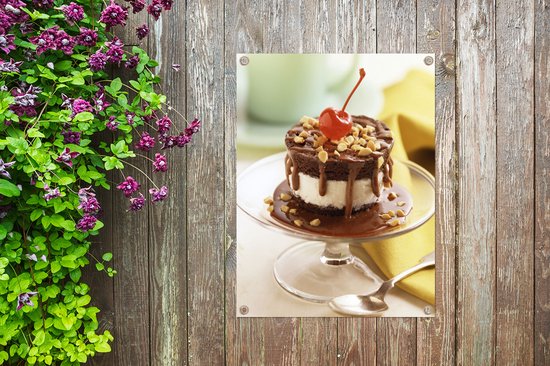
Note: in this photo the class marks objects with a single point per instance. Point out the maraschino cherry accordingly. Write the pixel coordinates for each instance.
(335, 123)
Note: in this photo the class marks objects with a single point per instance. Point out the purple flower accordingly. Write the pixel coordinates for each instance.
(112, 124)
(43, 4)
(67, 156)
(87, 37)
(129, 186)
(169, 142)
(137, 5)
(5, 23)
(4, 167)
(85, 193)
(182, 139)
(46, 40)
(114, 15)
(154, 9)
(6, 43)
(158, 194)
(142, 31)
(25, 299)
(43, 258)
(31, 257)
(130, 118)
(12, 9)
(80, 105)
(10, 66)
(89, 205)
(164, 124)
(26, 28)
(25, 100)
(65, 43)
(86, 223)
(51, 193)
(73, 12)
(114, 54)
(132, 62)
(137, 203)
(193, 127)
(146, 142)
(160, 164)
(71, 137)
(166, 4)
(97, 61)
(100, 101)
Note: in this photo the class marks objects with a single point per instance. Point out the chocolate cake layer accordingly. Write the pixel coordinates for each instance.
(304, 155)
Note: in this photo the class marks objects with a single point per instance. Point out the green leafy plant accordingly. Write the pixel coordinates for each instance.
(55, 98)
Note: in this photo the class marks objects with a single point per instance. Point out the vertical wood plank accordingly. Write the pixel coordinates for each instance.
(355, 33)
(205, 181)
(167, 221)
(515, 170)
(436, 33)
(542, 184)
(266, 341)
(396, 32)
(476, 237)
(131, 249)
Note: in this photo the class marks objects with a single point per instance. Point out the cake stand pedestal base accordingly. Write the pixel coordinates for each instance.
(318, 271)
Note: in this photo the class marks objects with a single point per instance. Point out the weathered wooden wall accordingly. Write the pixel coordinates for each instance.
(172, 302)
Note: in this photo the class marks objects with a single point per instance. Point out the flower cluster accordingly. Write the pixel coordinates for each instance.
(65, 121)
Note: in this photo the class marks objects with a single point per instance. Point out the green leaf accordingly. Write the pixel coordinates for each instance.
(63, 65)
(103, 347)
(116, 84)
(107, 256)
(34, 132)
(65, 181)
(36, 213)
(83, 301)
(8, 189)
(39, 338)
(83, 117)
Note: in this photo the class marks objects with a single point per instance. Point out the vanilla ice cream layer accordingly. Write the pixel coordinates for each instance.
(335, 195)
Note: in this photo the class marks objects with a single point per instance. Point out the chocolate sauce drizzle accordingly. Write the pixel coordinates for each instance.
(354, 163)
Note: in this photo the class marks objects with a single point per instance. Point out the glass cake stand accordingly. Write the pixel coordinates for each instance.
(323, 266)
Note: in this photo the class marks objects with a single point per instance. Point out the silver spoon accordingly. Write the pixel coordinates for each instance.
(373, 303)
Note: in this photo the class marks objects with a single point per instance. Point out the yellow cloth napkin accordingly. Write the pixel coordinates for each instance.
(409, 111)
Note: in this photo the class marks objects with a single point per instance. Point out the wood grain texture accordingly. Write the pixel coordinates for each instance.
(436, 33)
(167, 221)
(205, 181)
(514, 206)
(396, 33)
(476, 215)
(542, 184)
(167, 306)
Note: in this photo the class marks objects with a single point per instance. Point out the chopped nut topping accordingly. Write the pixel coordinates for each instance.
(400, 213)
(350, 140)
(362, 142)
(355, 133)
(393, 222)
(285, 208)
(307, 119)
(323, 156)
(292, 211)
(391, 213)
(401, 203)
(392, 196)
(270, 208)
(304, 134)
(356, 147)
(307, 126)
(336, 153)
(268, 200)
(342, 147)
(285, 196)
(315, 222)
(320, 148)
(380, 161)
(371, 145)
(364, 151)
(385, 216)
(298, 140)
(298, 223)
(387, 184)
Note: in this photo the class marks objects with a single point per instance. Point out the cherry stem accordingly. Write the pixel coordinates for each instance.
(361, 76)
